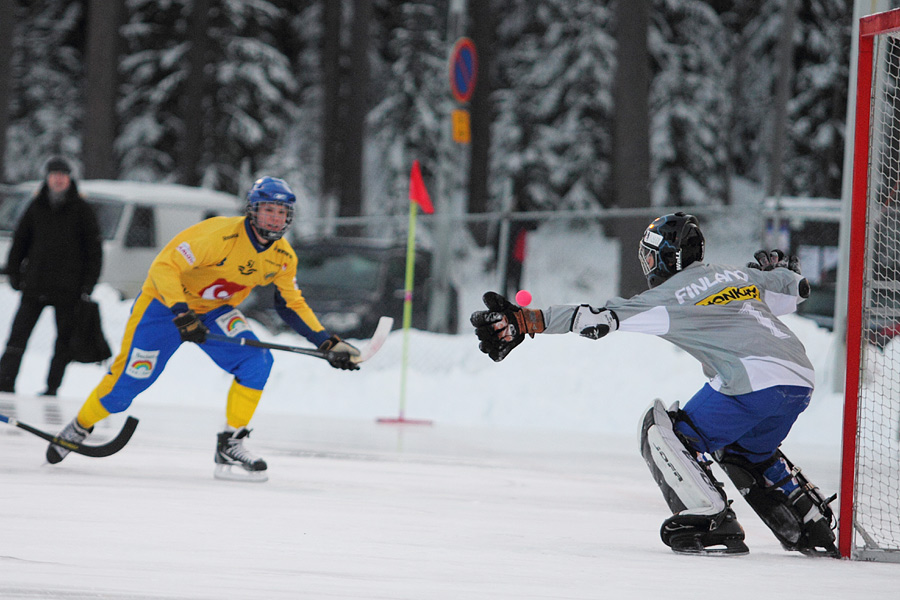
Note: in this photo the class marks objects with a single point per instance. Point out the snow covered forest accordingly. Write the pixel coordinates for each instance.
(215, 92)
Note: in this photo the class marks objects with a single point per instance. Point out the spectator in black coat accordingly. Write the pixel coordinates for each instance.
(54, 260)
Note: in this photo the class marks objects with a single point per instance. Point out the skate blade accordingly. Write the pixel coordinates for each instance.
(827, 552)
(238, 473)
(733, 548)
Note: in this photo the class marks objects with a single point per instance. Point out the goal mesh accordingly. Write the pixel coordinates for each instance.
(875, 516)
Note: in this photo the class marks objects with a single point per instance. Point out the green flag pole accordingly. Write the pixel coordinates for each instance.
(407, 318)
(407, 301)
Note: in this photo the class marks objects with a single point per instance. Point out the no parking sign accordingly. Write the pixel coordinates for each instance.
(463, 70)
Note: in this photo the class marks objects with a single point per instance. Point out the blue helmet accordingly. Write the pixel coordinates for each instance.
(270, 190)
(670, 243)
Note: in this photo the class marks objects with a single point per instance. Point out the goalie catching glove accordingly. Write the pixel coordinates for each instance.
(341, 354)
(503, 326)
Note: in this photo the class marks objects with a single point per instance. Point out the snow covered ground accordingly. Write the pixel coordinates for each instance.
(528, 484)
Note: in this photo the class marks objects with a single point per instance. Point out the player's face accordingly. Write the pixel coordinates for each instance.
(58, 182)
(272, 216)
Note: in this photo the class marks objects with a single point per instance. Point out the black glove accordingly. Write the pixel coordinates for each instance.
(766, 261)
(190, 327)
(503, 326)
(341, 355)
(15, 281)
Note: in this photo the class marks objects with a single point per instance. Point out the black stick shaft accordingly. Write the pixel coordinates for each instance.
(268, 345)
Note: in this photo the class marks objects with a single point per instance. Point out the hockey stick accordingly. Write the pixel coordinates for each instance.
(110, 447)
(365, 353)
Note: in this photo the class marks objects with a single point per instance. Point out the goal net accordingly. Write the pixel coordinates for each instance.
(870, 472)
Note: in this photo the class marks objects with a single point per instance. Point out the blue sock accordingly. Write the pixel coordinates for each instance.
(778, 472)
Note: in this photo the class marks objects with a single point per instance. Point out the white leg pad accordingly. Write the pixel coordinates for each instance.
(686, 486)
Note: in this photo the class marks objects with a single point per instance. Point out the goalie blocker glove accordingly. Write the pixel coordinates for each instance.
(503, 326)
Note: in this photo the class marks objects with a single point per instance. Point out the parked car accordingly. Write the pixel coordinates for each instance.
(350, 283)
(136, 220)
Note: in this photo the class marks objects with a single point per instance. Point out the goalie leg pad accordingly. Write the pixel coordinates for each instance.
(703, 523)
(770, 504)
(802, 521)
(686, 486)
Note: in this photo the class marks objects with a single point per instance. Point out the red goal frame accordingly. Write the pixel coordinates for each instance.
(869, 27)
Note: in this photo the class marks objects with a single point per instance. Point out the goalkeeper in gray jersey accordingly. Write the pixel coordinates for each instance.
(760, 380)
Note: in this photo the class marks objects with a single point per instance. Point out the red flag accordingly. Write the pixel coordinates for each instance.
(417, 191)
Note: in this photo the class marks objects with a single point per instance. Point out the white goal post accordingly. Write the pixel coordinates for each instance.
(870, 465)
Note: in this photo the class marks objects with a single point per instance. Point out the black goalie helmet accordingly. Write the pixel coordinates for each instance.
(670, 243)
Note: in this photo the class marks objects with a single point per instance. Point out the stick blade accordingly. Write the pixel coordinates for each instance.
(113, 445)
(382, 330)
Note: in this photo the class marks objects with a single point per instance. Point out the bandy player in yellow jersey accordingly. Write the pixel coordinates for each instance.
(193, 288)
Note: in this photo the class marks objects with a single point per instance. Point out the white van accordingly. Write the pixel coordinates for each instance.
(136, 220)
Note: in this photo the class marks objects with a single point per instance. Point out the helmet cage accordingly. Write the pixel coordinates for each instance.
(266, 232)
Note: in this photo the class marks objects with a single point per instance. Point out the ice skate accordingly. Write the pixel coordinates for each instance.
(236, 463)
(719, 534)
(73, 432)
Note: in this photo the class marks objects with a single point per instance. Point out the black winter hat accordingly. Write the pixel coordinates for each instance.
(58, 164)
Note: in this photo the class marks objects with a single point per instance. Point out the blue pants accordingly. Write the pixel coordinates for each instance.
(751, 425)
(151, 339)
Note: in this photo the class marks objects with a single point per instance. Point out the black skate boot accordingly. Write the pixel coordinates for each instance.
(230, 453)
(700, 534)
(816, 522)
(73, 432)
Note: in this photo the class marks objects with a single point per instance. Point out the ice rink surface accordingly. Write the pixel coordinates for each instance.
(357, 509)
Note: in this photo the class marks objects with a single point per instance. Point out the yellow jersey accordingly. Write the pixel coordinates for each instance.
(215, 262)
